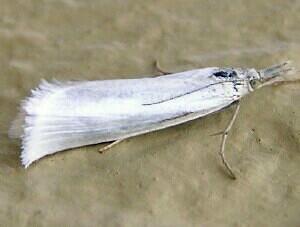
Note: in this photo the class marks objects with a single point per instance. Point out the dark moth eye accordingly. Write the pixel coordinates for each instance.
(253, 83)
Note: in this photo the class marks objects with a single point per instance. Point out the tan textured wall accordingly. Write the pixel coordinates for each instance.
(167, 178)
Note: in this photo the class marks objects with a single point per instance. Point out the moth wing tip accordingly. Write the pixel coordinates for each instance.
(25, 159)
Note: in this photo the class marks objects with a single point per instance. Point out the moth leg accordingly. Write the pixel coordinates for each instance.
(159, 69)
(103, 149)
(224, 138)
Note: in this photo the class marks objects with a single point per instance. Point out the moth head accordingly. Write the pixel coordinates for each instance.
(251, 78)
(255, 79)
(269, 76)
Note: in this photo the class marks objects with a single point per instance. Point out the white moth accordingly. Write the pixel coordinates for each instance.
(62, 115)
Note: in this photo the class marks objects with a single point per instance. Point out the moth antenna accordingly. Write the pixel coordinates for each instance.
(276, 70)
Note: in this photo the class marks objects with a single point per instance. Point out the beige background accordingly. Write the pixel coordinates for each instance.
(168, 178)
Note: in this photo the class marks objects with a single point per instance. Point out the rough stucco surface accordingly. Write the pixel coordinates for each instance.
(168, 178)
